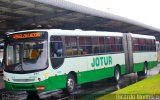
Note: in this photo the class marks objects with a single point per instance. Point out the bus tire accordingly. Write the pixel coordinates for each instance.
(32, 95)
(116, 75)
(32, 92)
(144, 72)
(71, 84)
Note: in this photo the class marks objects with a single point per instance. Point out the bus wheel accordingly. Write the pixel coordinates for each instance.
(71, 84)
(144, 72)
(32, 95)
(32, 92)
(116, 75)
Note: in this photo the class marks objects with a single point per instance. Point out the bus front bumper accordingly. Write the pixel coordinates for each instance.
(37, 86)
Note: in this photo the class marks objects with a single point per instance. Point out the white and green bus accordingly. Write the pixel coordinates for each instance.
(44, 60)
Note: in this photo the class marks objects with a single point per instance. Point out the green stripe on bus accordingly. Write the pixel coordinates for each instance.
(140, 66)
(98, 74)
(152, 64)
(56, 82)
(95, 75)
(51, 83)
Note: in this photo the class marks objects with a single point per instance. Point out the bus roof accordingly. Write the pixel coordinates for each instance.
(142, 36)
(84, 33)
(78, 32)
(36, 30)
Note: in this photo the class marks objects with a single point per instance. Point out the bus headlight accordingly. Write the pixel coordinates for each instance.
(5, 78)
(44, 76)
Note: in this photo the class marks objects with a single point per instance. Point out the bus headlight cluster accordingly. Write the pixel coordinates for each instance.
(44, 76)
(5, 78)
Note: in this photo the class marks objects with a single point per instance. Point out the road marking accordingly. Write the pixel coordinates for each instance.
(63, 98)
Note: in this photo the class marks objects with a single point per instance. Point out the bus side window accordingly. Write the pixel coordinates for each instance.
(56, 47)
(85, 45)
(96, 45)
(101, 45)
(71, 46)
(53, 50)
(119, 44)
(96, 50)
(56, 51)
(135, 44)
(107, 44)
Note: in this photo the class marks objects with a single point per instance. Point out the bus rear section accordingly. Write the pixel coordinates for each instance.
(141, 53)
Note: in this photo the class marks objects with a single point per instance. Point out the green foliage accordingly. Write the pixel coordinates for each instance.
(144, 89)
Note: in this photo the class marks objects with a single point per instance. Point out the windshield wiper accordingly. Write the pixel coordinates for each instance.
(19, 67)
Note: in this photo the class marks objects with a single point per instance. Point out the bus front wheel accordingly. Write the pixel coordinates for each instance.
(32, 95)
(71, 84)
(32, 92)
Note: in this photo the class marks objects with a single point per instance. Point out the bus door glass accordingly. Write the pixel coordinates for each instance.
(56, 51)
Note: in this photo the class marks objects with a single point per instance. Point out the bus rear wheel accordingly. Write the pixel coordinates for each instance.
(71, 84)
(116, 75)
(144, 72)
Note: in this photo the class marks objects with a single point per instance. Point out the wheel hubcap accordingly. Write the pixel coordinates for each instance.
(145, 70)
(70, 84)
(117, 75)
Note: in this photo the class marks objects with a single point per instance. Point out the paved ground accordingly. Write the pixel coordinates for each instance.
(84, 92)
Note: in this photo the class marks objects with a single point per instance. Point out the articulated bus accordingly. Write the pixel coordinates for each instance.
(44, 60)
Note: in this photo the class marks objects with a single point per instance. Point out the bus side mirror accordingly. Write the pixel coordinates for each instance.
(1, 64)
(1, 69)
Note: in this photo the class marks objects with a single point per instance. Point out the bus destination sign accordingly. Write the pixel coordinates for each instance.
(26, 35)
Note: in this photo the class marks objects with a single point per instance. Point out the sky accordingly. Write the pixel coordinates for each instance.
(144, 11)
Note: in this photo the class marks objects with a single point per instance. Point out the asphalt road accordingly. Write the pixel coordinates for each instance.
(89, 91)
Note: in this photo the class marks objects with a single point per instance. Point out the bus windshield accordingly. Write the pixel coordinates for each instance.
(26, 56)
